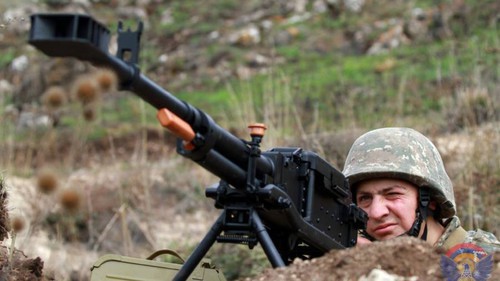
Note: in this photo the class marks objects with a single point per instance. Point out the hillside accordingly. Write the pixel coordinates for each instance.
(85, 173)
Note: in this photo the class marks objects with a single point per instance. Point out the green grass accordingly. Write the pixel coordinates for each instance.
(7, 57)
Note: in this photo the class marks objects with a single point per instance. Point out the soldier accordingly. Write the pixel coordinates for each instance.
(398, 178)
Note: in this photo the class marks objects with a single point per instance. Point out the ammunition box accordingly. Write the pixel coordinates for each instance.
(116, 268)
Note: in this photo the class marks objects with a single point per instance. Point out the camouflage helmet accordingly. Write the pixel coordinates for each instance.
(401, 153)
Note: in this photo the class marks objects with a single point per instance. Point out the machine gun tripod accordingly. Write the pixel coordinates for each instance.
(239, 220)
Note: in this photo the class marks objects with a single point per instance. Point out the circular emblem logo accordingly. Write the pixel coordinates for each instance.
(466, 261)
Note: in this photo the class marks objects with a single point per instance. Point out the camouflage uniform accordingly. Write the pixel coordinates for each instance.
(454, 234)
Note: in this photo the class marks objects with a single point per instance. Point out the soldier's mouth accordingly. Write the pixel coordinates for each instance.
(384, 228)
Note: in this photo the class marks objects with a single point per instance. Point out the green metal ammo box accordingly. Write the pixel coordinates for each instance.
(113, 267)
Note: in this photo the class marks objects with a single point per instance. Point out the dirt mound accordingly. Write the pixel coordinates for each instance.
(406, 258)
(14, 265)
(4, 218)
(18, 267)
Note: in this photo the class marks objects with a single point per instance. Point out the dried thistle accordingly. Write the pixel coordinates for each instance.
(106, 79)
(17, 224)
(47, 182)
(54, 97)
(86, 89)
(70, 200)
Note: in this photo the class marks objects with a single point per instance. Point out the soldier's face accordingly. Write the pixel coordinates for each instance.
(390, 205)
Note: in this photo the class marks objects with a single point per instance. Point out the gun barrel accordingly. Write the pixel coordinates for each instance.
(80, 36)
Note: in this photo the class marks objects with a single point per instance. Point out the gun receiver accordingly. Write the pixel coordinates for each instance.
(291, 201)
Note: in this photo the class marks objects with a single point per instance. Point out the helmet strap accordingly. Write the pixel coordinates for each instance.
(365, 234)
(421, 214)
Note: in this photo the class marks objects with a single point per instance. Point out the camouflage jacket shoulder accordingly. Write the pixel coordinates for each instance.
(454, 234)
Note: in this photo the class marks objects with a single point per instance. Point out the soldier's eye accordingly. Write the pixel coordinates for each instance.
(363, 198)
(393, 193)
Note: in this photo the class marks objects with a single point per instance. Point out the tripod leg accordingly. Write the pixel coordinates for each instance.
(267, 244)
(200, 250)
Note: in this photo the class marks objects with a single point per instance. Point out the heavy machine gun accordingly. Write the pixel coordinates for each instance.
(289, 200)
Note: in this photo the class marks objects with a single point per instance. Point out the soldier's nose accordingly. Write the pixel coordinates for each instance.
(378, 209)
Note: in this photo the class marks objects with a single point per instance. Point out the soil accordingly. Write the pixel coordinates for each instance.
(19, 267)
(405, 258)
(14, 265)
(4, 218)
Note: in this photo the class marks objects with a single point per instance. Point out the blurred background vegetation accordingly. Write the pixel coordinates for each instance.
(318, 73)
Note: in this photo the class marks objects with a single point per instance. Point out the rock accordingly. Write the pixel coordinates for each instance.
(19, 64)
(338, 6)
(388, 40)
(247, 36)
(382, 275)
(5, 87)
(29, 119)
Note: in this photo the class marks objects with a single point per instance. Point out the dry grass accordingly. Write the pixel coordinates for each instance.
(471, 107)
(472, 160)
